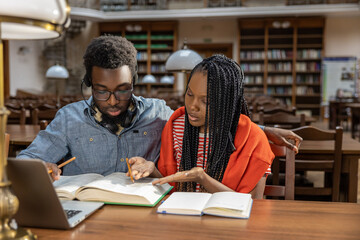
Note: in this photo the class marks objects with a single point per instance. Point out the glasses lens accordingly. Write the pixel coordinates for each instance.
(101, 95)
(123, 95)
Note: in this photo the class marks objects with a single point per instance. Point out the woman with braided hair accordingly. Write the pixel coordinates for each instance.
(211, 144)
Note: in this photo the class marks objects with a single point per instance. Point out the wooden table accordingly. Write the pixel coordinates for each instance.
(21, 136)
(270, 219)
(349, 165)
(355, 117)
(308, 120)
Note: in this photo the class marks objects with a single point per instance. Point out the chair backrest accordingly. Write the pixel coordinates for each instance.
(286, 191)
(320, 162)
(17, 114)
(282, 119)
(7, 143)
(43, 112)
(277, 109)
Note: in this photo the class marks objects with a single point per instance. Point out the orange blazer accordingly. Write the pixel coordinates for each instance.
(247, 164)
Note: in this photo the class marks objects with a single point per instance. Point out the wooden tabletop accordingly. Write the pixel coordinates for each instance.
(270, 219)
(349, 146)
(308, 120)
(22, 134)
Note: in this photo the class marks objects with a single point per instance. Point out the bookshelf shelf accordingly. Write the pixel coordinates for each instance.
(154, 42)
(286, 61)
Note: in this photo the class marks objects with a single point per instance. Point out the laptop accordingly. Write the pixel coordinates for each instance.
(39, 204)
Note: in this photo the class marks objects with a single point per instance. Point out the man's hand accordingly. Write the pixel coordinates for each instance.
(140, 167)
(195, 174)
(55, 175)
(281, 136)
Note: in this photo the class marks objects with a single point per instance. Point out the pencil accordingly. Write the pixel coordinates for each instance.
(131, 176)
(63, 164)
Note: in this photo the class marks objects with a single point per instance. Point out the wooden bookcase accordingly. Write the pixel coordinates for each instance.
(154, 41)
(281, 57)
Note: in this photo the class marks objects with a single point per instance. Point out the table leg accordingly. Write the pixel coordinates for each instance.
(353, 179)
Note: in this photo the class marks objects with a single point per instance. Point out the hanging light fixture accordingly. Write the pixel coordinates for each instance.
(183, 60)
(23, 19)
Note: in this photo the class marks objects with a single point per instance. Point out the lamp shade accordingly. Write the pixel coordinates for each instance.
(149, 79)
(182, 61)
(57, 71)
(36, 19)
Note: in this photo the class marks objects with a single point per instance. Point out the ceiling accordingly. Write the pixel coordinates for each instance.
(225, 12)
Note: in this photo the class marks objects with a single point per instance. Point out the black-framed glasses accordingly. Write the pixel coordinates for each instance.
(120, 95)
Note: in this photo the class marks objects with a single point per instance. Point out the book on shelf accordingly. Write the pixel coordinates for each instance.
(115, 188)
(223, 204)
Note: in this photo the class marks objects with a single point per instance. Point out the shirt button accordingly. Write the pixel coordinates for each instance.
(91, 139)
(145, 133)
(121, 159)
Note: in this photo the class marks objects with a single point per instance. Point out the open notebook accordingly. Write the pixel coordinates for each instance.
(39, 204)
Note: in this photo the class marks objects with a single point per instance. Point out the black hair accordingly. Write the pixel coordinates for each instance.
(225, 103)
(109, 52)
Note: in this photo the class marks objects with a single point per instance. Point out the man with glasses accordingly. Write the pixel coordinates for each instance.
(112, 124)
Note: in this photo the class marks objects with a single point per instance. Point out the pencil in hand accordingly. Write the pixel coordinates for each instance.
(131, 176)
(63, 164)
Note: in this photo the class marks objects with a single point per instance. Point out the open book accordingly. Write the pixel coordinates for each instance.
(224, 204)
(115, 188)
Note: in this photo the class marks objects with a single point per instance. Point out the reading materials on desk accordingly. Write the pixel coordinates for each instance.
(223, 204)
(115, 188)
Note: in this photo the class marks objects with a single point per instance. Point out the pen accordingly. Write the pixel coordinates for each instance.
(63, 164)
(131, 176)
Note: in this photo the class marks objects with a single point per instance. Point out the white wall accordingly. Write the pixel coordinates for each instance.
(217, 31)
(25, 67)
(27, 70)
(342, 36)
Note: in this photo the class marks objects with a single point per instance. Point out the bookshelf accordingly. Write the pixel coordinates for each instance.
(281, 57)
(154, 41)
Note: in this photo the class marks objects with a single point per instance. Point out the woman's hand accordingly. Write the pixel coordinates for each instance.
(195, 174)
(281, 136)
(55, 175)
(140, 167)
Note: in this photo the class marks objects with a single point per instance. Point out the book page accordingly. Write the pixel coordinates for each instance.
(66, 186)
(184, 203)
(229, 200)
(118, 182)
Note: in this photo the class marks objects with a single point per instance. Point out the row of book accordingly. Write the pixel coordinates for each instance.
(309, 53)
(281, 66)
(279, 54)
(282, 54)
(308, 66)
(308, 79)
(303, 90)
(253, 80)
(279, 90)
(253, 67)
(160, 56)
(158, 68)
(280, 79)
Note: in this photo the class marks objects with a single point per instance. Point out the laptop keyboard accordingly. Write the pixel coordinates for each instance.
(71, 213)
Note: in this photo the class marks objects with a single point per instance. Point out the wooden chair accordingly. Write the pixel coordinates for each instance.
(331, 167)
(277, 109)
(286, 191)
(17, 114)
(282, 119)
(43, 112)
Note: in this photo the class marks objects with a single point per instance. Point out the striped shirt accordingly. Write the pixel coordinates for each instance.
(178, 134)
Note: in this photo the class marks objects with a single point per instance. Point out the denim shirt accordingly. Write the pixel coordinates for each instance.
(75, 133)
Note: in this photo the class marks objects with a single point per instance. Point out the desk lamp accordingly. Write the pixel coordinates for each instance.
(183, 60)
(57, 73)
(23, 19)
